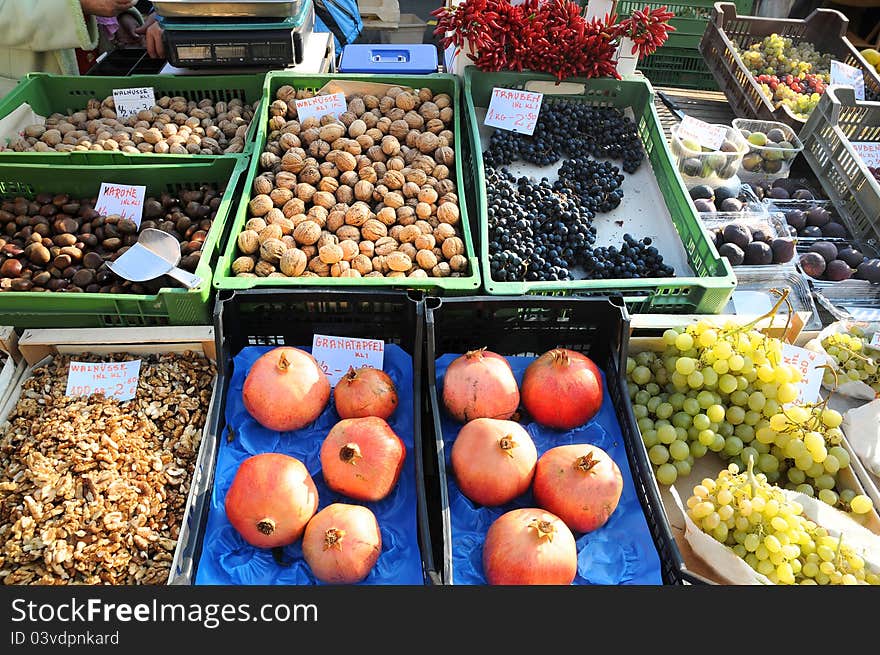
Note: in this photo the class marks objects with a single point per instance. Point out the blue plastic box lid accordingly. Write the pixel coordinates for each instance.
(405, 58)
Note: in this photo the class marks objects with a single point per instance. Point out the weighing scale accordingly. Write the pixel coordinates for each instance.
(260, 33)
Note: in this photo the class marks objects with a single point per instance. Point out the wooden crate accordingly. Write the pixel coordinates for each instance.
(36, 345)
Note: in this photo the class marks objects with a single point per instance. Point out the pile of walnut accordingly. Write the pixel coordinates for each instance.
(174, 126)
(92, 490)
(365, 195)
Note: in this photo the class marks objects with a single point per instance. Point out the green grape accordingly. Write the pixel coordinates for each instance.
(658, 454)
(679, 450)
(667, 474)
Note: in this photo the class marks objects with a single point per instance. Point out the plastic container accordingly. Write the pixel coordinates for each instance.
(703, 166)
(728, 33)
(773, 225)
(836, 122)
(705, 288)
(529, 325)
(171, 306)
(763, 164)
(413, 59)
(440, 83)
(47, 94)
(275, 317)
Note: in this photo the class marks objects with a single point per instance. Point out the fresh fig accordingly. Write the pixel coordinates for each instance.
(783, 250)
(818, 216)
(838, 270)
(705, 206)
(731, 205)
(762, 232)
(802, 194)
(825, 248)
(796, 218)
(869, 270)
(834, 230)
(813, 264)
(811, 231)
(733, 252)
(702, 192)
(738, 234)
(851, 256)
(778, 193)
(758, 253)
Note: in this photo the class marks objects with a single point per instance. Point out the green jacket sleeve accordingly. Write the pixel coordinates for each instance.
(43, 25)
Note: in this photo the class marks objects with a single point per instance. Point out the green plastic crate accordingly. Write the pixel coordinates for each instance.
(437, 82)
(714, 281)
(171, 306)
(678, 67)
(689, 21)
(48, 94)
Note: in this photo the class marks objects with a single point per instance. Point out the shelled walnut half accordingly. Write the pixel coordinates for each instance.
(93, 490)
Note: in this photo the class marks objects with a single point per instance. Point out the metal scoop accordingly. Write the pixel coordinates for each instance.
(156, 253)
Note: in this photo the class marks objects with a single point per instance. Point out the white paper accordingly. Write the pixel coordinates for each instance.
(862, 428)
(514, 110)
(752, 302)
(318, 106)
(808, 361)
(123, 199)
(12, 125)
(869, 151)
(599, 9)
(851, 388)
(875, 340)
(129, 102)
(706, 134)
(848, 76)
(335, 355)
(115, 379)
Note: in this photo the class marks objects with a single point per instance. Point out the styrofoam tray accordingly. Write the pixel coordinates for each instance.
(642, 212)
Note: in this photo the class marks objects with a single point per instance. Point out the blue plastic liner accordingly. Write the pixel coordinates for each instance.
(227, 559)
(620, 552)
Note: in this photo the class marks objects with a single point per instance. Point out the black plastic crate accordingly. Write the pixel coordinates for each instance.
(270, 317)
(529, 326)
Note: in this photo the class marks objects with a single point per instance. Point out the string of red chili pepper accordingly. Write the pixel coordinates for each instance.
(648, 28)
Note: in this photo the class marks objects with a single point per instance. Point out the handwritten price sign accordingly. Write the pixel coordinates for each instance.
(808, 362)
(869, 151)
(113, 379)
(333, 103)
(706, 134)
(335, 355)
(848, 76)
(129, 102)
(514, 110)
(122, 199)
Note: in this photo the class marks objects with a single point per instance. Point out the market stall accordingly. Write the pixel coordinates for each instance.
(537, 319)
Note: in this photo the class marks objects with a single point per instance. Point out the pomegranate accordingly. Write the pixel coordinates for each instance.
(365, 391)
(342, 543)
(270, 500)
(480, 384)
(580, 483)
(562, 389)
(493, 460)
(529, 546)
(362, 458)
(285, 389)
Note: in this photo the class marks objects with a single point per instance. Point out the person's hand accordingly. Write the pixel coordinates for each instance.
(107, 8)
(152, 32)
(127, 32)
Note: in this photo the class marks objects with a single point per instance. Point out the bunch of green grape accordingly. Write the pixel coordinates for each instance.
(768, 530)
(852, 354)
(711, 388)
(777, 55)
(805, 447)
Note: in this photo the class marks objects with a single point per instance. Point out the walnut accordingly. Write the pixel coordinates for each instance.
(383, 124)
(448, 213)
(262, 185)
(358, 106)
(398, 261)
(374, 229)
(307, 233)
(368, 173)
(248, 242)
(357, 128)
(293, 207)
(408, 249)
(426, 259)
(310, 174)
(288, 141)
(330, 253)
(358, 214)
(362, 264)
(318, 214)
(306, 192)
(452, 246)
(264, 268)
(271, 231)
(399, 129)
(393, 199)
(386, 245)
(423, 210)
(324, 199)
(293, 161)
(348, 233)
(349, 249)
(345, 161)
(365, 141)
(387, 215)
(293, 262)
(345, 194)
(409, 234)
(271, 250)
(328, 184)
(255, 224)
(425, 241)
(243, 265)
(329, 133)
(335, 220)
